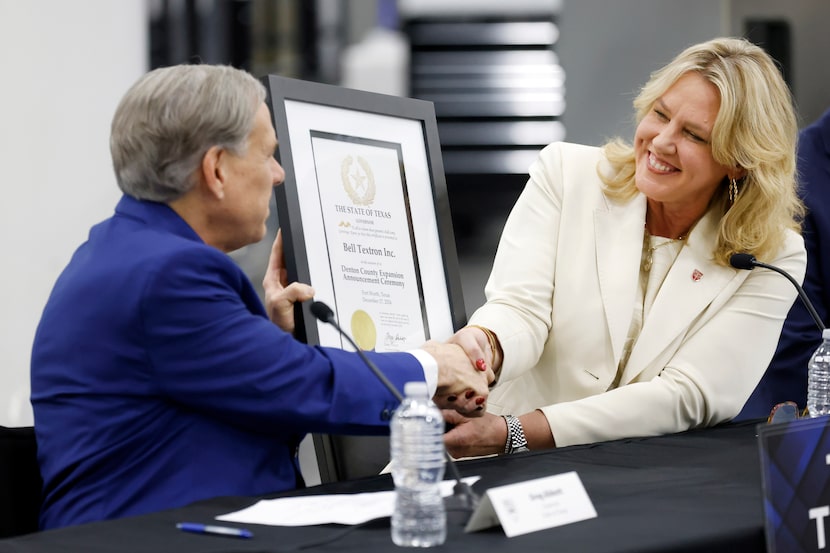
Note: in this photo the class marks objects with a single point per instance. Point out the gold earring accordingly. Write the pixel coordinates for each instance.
(733, 190)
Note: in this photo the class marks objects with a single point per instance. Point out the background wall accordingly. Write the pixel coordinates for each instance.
(608, 49)
(64, 67)
(809, 69)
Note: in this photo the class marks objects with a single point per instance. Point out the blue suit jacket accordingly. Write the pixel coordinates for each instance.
(158, 380)
(786, 376)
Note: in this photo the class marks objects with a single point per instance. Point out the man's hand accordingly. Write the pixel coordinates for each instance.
(279, 295)
(461, 386)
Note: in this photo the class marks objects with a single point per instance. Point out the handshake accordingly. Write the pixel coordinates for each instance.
(464, 375)
(466, 370)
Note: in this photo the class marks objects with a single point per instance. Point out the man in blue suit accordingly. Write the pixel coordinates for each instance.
(786, 376)
(158, 376)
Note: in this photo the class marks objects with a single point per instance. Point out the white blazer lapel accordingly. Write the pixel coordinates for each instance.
(690, 286)
(619, 244)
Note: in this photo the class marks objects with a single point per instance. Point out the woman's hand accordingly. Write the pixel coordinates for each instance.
(461, 386)
(480, 345)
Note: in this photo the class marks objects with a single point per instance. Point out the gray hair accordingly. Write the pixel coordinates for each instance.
(171, 117)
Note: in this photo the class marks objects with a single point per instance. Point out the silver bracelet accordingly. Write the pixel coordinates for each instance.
(516, 441)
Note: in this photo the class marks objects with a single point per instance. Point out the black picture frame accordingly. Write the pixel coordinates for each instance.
(303, 111)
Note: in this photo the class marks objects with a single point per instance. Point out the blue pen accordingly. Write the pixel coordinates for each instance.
(197, 528)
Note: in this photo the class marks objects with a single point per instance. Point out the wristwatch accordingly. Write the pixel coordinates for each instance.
(516, 441)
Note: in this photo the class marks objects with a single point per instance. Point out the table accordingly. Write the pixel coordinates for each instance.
(694, 491)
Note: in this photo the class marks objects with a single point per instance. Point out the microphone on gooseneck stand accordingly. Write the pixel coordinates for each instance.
(467, 498)
(748, 262)
(324, 313)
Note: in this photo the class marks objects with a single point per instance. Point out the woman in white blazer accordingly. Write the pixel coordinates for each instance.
(612, 309)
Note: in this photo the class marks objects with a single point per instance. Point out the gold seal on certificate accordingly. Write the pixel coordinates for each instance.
(364, 331)
(358, 180)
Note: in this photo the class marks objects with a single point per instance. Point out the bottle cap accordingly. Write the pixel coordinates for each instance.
(415, 389)
(825, 334)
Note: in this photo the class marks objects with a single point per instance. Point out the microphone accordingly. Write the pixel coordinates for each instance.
(324, 313)
(468, 499)
(748, 262)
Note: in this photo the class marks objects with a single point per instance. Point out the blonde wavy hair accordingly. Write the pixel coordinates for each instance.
(755, 129)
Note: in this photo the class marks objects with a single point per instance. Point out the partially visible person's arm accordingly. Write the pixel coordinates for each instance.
(786, 377)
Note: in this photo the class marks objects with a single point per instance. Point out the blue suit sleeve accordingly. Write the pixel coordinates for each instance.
(214, 350)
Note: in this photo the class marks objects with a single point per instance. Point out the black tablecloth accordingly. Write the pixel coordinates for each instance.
(694, 491)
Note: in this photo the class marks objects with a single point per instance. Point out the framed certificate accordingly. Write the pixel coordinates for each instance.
(365, 215)
(366, 221)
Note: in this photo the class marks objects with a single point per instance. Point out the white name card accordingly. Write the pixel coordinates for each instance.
(533, 505)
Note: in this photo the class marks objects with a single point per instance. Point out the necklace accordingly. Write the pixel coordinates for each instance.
(648, 249)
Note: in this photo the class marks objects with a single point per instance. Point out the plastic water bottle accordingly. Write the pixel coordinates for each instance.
(818, 378)
(417, 455)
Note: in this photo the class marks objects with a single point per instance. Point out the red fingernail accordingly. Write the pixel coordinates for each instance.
(469, 394)
(481, 365)
(479, 400)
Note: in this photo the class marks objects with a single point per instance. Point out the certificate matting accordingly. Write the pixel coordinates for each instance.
(365, 214)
